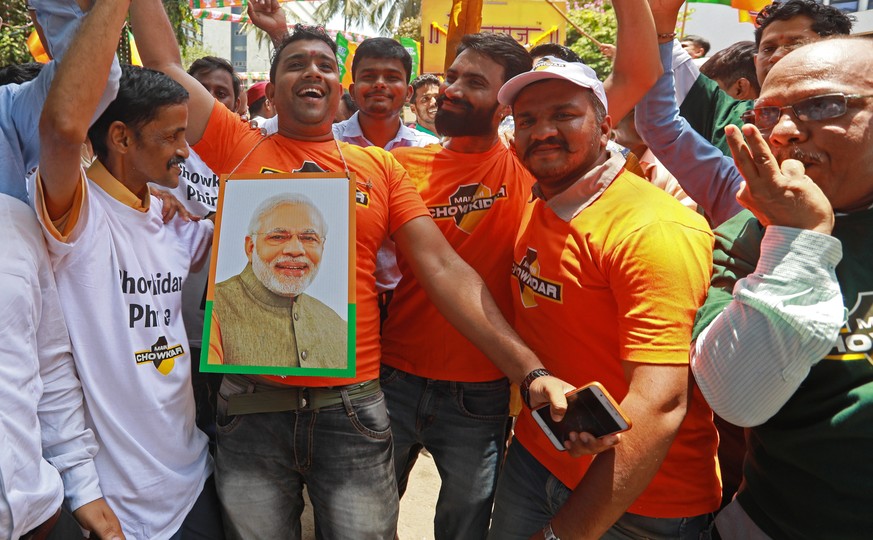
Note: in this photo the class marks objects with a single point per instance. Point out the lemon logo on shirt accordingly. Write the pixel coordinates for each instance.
(161, 355)
(467, 205)
(855, 341)
(531, 284)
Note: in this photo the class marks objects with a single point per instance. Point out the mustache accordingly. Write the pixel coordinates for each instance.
(458, 102)
(175, 161)
(804, 156)
(550, 141)
(286, 259)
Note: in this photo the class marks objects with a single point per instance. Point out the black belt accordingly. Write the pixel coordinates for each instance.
(270, 399)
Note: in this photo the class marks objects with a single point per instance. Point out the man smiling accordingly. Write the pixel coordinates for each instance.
(284, 246)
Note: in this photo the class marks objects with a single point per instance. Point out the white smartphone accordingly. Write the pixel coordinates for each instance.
(590, 409)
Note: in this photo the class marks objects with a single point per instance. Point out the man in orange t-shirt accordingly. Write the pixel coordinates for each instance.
(443, 393)
(608, 273)
(331, 434)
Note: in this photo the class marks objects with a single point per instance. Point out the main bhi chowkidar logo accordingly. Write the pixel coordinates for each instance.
(531, 284)
(160, 354)
(467, 205)
(855, 341)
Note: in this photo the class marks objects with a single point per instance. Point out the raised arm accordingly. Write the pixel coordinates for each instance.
(72, 101)
(159, 50)
(637, 65)
(269, 16)
(703, 171)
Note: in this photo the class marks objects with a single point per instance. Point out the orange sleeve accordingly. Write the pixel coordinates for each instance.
(62, 227)
(216, 349)
(664, 269)
(222, 136)
(404, 202)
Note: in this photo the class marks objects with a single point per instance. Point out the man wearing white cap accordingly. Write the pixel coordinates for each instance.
(627, 267)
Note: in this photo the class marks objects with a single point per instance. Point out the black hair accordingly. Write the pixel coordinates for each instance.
(302, 32)
(142, 93)
(350, 102)
(382, 48)
(19, 73)
(826, 20)
(701, 42)
(256, 105)
(500, 48)
(733, 63)
(557, 50)
(425, 79)
(208, 64)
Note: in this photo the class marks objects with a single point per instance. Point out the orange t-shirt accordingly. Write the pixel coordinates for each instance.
(385, 201)
(622, 280)
(476, 200)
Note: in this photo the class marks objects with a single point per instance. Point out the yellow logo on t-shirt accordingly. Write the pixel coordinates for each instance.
(467, 205)
(530, 284)
(855, 341)
(163, 356)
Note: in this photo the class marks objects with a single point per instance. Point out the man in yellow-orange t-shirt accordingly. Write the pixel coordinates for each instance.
(608, 272)
(443, 393)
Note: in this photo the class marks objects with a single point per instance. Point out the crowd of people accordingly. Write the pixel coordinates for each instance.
(694, 238)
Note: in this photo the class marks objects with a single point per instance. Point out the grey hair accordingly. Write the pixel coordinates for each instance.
(271, 203)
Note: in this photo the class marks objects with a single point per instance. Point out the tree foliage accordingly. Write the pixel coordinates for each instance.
(13, 34)
(409, 27)
(384, 15)
(596, 18)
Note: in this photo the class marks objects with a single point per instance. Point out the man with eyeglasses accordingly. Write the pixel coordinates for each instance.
(774, 350)
(706, 110)
(284, 246)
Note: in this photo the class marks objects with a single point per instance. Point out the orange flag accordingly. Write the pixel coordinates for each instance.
(465, 18)
(34, 45)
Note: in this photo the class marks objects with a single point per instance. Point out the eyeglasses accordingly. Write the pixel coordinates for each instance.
(280, 237)
(810, 109)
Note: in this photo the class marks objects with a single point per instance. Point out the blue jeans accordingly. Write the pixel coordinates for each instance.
(463, 426)
(342, 453)
(528, 496)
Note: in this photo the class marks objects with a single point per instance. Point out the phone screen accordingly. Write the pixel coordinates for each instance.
(585, 412)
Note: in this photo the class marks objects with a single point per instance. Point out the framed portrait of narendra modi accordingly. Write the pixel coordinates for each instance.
(281, 294)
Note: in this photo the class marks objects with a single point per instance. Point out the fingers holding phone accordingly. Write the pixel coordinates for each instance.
(590, 425)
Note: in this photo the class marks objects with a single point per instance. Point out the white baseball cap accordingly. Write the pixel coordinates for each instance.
(549, 67)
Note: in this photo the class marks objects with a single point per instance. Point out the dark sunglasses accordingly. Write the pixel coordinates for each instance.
(809, 109)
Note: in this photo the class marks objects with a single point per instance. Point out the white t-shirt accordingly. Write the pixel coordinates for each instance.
(42, 424)
(198, 192)
(120, 276)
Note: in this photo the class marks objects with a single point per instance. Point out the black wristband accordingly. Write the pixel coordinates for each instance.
(524, 387)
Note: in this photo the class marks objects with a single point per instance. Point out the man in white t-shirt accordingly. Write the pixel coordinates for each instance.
(120, 271)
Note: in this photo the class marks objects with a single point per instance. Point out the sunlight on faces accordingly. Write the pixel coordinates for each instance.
(837, 153)
(425, 105)
(557, 134)
(307, 89)
(287, 248)
(159, 147)
(467, 104)
(380, 88)
(780, 38)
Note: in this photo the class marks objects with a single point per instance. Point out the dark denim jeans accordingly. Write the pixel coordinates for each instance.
(528, 496)
(463, 426)
(342, 453)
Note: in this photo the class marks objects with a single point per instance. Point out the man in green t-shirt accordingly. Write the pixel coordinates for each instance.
(774, 351)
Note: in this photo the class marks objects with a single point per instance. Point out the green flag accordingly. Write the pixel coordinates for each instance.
(342, 53)
(413, 47)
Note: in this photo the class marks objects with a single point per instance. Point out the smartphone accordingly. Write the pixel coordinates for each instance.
(590, 408)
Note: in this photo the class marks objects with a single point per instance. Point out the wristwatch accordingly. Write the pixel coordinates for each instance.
(524, 387)
(548, 533)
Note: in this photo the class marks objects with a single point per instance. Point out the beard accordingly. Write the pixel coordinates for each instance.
(279, 284)
(472, 123)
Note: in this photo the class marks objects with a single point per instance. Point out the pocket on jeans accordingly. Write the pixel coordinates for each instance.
(370, 417)
(484, 401)
(388, 375)
(224, 423)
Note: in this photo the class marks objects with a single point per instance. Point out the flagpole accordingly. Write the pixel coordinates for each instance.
(574, 25)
